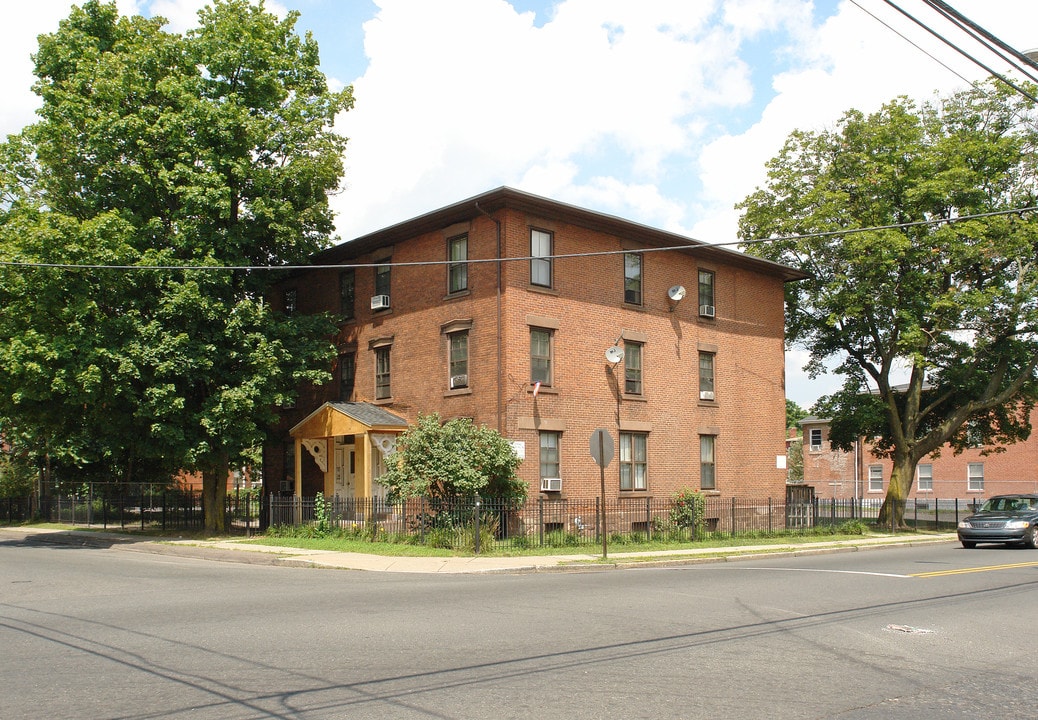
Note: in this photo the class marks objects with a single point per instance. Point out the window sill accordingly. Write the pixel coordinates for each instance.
(627, 397)
(459, 391)
(543, 391)
(708, 403)
(457, 295)
(710, 492)
(383, 401)
(542, 289)
(639, 307)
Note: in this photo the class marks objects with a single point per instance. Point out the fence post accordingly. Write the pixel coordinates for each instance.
(731, 529)
(770, 513)
(648, 519)
(540, 521)
(476, 523)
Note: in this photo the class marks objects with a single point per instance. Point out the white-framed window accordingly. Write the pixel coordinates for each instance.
(540, 258)
(815, 435)
(706, 376)
(632, 368)
(383, 389)
(924, 474)
(633, 461)
(458, 269)
(875, 478)
(633, 278)
(706, 293)
(707, 462)
(458, 361)
(550, 442)
(540, 356)
(975, 477)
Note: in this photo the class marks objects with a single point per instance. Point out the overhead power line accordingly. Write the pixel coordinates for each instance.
(475, 261)
(991, 71)
(1014, 57)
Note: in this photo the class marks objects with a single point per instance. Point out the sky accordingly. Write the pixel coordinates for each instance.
(663, 112)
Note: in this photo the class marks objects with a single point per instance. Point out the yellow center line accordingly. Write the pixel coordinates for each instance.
(963, 571)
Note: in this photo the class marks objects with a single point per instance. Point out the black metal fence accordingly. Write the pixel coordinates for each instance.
(574, 522)
(148, 508)
(537, 523)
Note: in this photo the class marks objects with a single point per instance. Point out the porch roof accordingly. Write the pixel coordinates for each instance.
(347, 418)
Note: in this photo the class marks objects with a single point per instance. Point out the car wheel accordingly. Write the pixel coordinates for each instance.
(968, 544)
(1031, 540)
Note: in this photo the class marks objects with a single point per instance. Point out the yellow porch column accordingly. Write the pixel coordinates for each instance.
(363, 450)
(298, 476)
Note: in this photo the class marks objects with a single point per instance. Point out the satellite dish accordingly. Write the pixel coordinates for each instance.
(676, 293)
(615, 354)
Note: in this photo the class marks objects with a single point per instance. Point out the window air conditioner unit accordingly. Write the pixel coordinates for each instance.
(706, 394)
(459, 381)
(816, 448)
(706, 311)
(379, 302)
(551, 484)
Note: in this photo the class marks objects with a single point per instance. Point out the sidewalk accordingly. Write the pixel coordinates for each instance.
(242, 552)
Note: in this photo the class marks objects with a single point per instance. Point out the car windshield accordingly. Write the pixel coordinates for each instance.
(1009, 504)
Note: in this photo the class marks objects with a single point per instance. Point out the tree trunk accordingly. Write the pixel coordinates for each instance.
(214, 495)
(892, 514)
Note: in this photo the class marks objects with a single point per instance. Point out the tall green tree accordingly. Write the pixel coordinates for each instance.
(949, 307)
(194, 153)
(794, 414)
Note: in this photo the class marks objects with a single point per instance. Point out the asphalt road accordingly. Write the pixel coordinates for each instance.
(932, 631)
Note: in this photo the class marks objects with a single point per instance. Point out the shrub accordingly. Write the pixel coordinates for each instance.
(687, 510)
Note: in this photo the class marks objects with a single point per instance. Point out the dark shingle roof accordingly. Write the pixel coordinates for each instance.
(370, 415)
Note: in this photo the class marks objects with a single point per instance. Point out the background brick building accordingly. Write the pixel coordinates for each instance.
(970, 474)
(501, 308)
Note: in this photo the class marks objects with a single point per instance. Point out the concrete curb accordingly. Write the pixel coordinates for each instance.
(238, 552)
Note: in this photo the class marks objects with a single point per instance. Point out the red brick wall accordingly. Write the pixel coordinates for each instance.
(586, 310)
(831, 472)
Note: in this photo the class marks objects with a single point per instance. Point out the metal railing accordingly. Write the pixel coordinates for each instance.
(573, 522)
(539, 522)
(156, 510)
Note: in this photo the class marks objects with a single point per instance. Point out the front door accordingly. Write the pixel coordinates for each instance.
(345, 471)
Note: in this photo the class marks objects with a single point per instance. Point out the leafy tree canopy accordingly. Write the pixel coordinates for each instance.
(453, 460)
(794, 414)
(154, 149)
(901, 282)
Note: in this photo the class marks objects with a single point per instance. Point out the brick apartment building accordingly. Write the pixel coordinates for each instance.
(501, 308)
(970, 475)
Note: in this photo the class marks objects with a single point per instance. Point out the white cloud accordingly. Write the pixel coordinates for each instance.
(464, 95)
(23, 23)
(852, 60)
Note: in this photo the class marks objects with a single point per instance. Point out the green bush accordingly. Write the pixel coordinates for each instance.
(687, 510)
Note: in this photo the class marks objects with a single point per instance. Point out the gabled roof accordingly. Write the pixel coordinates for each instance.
(347, 418)
(370, 415)
(505, 197)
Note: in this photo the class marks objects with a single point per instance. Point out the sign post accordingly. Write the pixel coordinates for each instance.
(602, 452)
